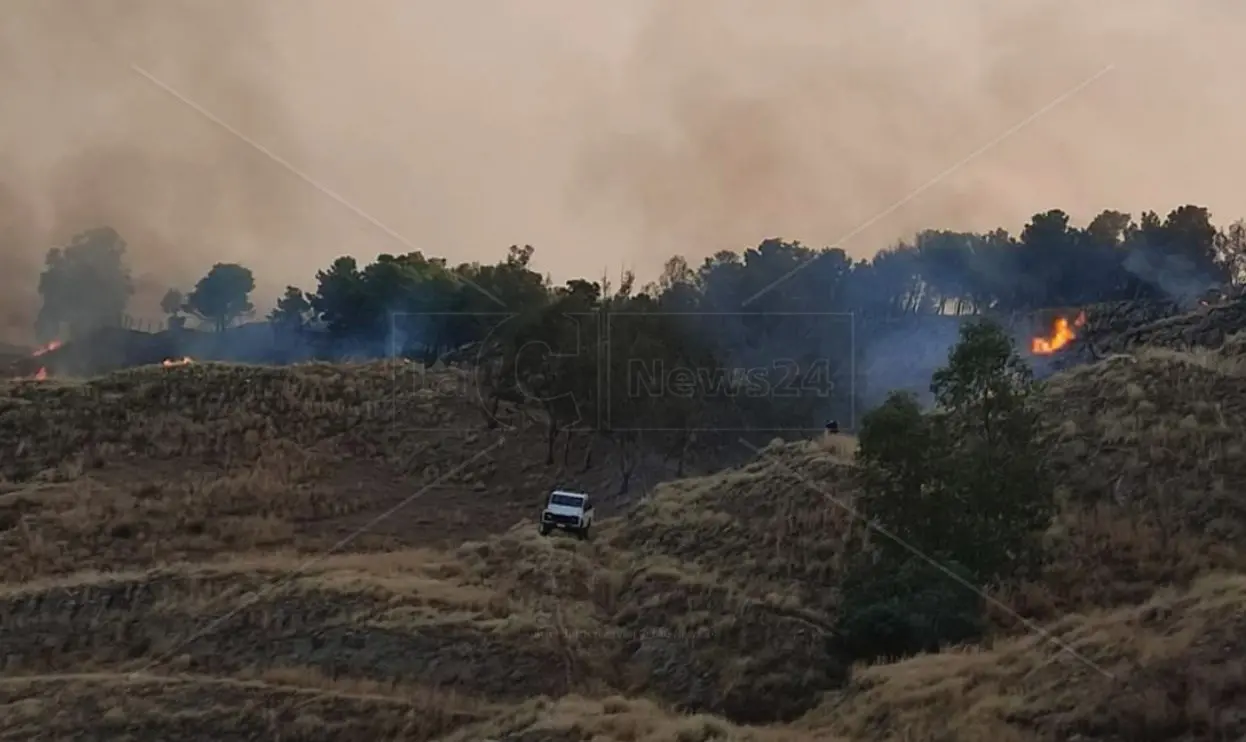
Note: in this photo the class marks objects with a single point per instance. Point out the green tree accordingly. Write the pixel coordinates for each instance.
(958, 495)
(1178, 257)
(1047, 260)
(901, 453)
(340, 300)
(988, 424)
(893, 609)
(222, 296)
(84, 285)
(1191, 236)
(1111, 228)
(549, 358)
(396, 301)
(291, 310)
(409, 300)
(488, 298)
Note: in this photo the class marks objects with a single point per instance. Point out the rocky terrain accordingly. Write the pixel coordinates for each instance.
(320, 552)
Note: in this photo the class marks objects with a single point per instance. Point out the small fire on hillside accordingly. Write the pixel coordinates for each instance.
(1063, 332)
(42, 373)
(175, 362)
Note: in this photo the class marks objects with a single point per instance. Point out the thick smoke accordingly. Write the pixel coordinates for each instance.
(604, 134)
(1177, 276)
(90, 142)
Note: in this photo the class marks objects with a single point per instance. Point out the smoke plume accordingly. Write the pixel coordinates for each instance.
(606, 134)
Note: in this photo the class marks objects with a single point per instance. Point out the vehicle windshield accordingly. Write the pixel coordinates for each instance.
(567, 501)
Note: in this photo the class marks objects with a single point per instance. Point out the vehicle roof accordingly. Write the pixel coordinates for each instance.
(569, 492)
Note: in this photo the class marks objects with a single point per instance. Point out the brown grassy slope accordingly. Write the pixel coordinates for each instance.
(500, 621)
(155, 464)
(715, 593)
(1145, 449)
(1175, 672)
(194, 708)
(343, 618)
(644, 624)
(579, 719)
(111, 706)
(774, 528)
(772, 532)
(1147, 452)
(219, 414)
(1162, 427)
(151, 464)
(1173, 668)
(140, 470)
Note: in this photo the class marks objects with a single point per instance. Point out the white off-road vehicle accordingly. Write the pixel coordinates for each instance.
(569, 511)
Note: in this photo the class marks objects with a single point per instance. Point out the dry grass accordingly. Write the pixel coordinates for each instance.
(776, 528)
(1148, 453)
(178, 522)
(111, 706)
(611, 719)
(153, 465)
(234, 618)
(1171, 668)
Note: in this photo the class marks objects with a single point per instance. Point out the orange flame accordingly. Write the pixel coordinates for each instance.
(46, 348)
(174, 362)
(1063, 332)
(41, 375)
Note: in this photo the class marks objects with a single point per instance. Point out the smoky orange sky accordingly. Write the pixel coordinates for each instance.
(607, 134)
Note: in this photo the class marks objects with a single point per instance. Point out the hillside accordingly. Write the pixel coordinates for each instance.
(328, 552)
(210, 458)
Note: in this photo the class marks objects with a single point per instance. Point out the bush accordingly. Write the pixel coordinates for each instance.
(891, 610)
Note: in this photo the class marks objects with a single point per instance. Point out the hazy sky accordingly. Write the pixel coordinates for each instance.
(607, 134)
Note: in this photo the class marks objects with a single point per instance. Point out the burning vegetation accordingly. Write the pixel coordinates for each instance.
(1063, 332)
(37, 367)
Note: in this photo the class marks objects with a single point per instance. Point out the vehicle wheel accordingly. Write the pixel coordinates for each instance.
(544, 530)
(583, 533)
